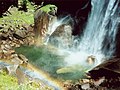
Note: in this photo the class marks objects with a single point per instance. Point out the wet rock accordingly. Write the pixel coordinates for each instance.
(109, 69)
(91, 59)
(63, 34)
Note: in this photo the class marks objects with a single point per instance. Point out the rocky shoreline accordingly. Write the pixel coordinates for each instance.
(11, 39)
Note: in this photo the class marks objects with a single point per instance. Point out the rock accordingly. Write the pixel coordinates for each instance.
(30, 28)
(85, 86)
(14, 55)
(16, 61)
(85, 80)
(12, 51)
(63, 34)
(70, 69)
(23, 58)
(99, 81)
(3, 42)
(12, 69)
(2, 47)
(25, 26)
(4, 51)
(7, 46)
(0, 41)
(108, 69)
(4, 36)
(42, 20)
(1, 55)
(21, 42)
(20, 34)
(11, 38)
(20, 76)
(91, 59)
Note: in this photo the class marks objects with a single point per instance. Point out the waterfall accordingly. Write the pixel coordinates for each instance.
(53, 26)
(99, 34)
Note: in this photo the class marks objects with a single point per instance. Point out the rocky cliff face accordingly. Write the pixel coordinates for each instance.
(43, 18)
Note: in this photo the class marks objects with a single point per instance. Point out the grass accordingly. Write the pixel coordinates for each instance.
(8, 82)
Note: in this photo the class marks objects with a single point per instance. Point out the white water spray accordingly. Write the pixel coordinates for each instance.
(53, 26)
(99, 35)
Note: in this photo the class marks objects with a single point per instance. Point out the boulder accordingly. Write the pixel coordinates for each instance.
(20, 34)
(62, 36)
(23, 59)
(16, 61)
(108, 69)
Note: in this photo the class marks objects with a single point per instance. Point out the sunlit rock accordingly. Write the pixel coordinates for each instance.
(43, 18)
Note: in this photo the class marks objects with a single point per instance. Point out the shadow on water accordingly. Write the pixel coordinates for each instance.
(44, 58)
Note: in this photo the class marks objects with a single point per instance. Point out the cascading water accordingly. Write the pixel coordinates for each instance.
(99, 35)
(53, 26)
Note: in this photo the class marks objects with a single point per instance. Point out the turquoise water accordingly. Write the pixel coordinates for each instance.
(46, 60)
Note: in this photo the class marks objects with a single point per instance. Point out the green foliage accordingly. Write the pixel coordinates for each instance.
(8, 82)
(15, 18)
(47, 8)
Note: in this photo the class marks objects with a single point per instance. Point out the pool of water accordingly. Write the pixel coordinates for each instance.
(47, 59)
